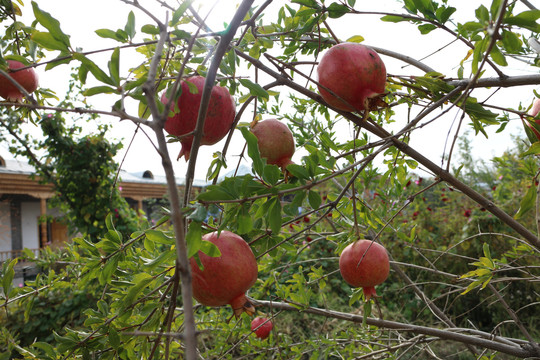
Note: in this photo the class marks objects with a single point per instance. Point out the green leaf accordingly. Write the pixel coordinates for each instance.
(150, 29)
(159, 237)
(527, 19)
(48, 41)
(527, 203)
(105, 275)
(114, 338)
(367, 312)
(336, 10)
(47, 348)
(245, 223)
(99, 90)
(51, 24)
(274, 216)
(482, 14)
(94, 69)
(180, 11)
(487, 252)
(314, 199)
(498, 56)
(8, 274)
(511, 42)
(355, 39)
(426, 28)
(130, 25)
(393, 18)
(110, 34)
(254, 88)
(271, 174)
(141, 281)
(533, 149)
(114, 66)
(194, 238)
(298, 171)
(253, 150)
(210, 249)
(309, 3)
(444, 13)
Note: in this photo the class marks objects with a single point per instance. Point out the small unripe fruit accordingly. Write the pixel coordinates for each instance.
(276, 142)
(27, 78)
(262, 327)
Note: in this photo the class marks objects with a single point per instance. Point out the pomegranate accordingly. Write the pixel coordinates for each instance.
(262, 327)
(533, 112)
(350, 75)
(225, 279)
(27, 78)
(365, 264)
(276, 142)
(219, 118)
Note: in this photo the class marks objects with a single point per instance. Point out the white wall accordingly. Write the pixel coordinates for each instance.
(5, 226)
(30, 212)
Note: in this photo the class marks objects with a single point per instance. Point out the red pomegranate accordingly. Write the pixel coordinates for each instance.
(276, 142)
(533, 112)
(353, 73)
(219, 118)
(27, 78)
(262, 327)
(225, 279)
(365, 264)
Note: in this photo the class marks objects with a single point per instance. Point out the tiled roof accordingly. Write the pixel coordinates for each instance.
(21, 167)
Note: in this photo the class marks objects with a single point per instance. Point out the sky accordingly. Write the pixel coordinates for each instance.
(81, 18)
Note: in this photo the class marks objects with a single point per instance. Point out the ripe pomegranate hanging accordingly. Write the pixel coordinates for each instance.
(276, 142)
(265, 327)
(218, 121)
(533, 112)
(225, 279)
(351, 76)
(365, 264)
(27, 78)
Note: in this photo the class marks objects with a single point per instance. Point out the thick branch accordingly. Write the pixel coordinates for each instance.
(177, 217)
(520, 349)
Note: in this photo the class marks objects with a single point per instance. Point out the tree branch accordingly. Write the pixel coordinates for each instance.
(485, 340)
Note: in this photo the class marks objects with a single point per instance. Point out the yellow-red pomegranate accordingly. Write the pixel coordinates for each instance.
(276, 142)
(262, 327)
(225, 279)
(364, 264)
(218, 121)
(27, 78)
(354, 74)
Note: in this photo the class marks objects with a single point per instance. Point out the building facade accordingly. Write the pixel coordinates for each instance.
(24, 202)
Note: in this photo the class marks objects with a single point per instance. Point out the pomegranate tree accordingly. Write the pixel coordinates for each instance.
(276, 142)
(225, 279)
(364, 264)
(534, 112)
(27, 78)
(262, 327)
(219, 117)
(350, 75)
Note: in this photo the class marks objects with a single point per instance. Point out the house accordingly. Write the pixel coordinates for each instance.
(23, 201)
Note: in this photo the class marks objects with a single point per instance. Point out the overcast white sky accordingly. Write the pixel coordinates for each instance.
(81, 18)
